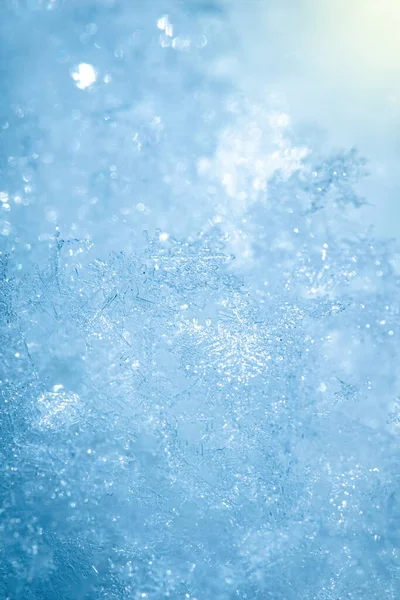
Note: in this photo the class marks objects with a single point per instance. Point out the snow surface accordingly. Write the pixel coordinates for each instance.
(199, 327)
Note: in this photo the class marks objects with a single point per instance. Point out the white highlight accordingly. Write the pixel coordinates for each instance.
(84, 76)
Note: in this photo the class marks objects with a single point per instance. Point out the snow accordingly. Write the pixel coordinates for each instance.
(199, 328)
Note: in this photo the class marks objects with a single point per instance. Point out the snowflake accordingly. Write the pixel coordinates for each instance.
(58, 409)
(236, 346)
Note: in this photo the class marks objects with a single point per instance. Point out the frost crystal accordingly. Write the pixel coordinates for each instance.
(58, 409)
(199, 338)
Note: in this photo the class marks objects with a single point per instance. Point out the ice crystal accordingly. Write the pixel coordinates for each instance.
(58, 408)
(199, 338)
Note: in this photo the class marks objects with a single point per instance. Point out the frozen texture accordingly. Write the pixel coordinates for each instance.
(208, 408)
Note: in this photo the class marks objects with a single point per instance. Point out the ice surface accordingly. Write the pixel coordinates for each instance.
(199, 336)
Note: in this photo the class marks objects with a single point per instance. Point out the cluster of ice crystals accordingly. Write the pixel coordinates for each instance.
(58, 408)
(199, 342)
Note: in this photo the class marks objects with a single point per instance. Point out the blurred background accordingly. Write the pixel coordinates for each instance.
(172, 83)
(336, 67)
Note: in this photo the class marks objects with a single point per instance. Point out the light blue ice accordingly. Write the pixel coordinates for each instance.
(199, 300)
